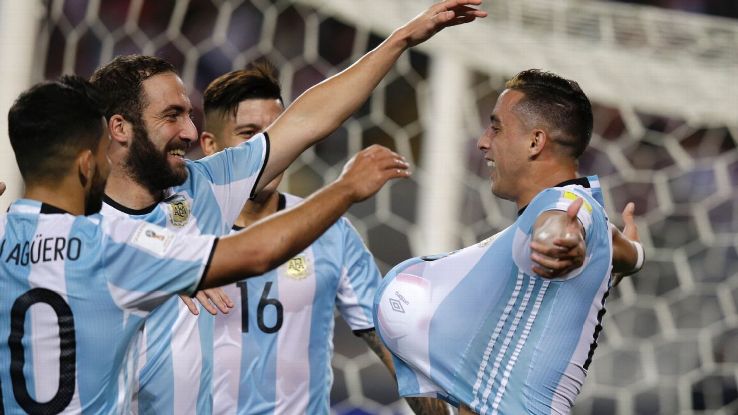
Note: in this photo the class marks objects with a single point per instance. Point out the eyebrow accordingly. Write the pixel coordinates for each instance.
(176, 108)
(249, 125)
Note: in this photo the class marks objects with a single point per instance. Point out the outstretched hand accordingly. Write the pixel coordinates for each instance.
(370, 169)
(625, 253)
(558, 245)
(439, 16)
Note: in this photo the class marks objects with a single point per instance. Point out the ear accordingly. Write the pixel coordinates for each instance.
(121, 131)
(85, 167)
(208, 143)
(538, 141)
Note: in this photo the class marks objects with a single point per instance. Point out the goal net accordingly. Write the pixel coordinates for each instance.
(665, 94)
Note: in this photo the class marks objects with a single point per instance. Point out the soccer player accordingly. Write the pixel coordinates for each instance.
(272, 353)
(76, 288)
(151, 130)
(479, 327)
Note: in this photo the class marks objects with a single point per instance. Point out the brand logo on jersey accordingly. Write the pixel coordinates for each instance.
(396, 303)
(297, 267)
(179, 211)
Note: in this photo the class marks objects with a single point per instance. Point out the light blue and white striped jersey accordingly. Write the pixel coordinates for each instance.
(478, 327)
(273, 350)
(75, 292)
(176, 346)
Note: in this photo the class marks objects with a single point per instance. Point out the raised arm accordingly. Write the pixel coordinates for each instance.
(324, 107)
(270, 242)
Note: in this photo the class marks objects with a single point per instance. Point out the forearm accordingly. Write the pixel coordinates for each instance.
(324, 107)
(272, 241)
(420, 406)
(624, 254)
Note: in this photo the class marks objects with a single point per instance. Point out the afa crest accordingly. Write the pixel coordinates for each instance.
(179, 211)
(297, 267)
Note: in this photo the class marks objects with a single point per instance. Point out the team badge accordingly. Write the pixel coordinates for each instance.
(179, 211)
(297, 267)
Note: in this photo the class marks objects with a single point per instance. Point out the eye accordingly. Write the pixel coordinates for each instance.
(246, 134)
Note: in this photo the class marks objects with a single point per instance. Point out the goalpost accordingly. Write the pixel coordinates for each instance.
(664, 91)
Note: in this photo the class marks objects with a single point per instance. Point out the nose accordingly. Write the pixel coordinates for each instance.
(484, 141)
(189, 132)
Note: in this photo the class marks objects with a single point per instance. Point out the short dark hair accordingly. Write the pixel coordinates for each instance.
(558, 102)
(256, 81)
(121, 81)
(50, 123)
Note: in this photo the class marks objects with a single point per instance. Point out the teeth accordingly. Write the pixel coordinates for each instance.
(490, 163)
(179, 153)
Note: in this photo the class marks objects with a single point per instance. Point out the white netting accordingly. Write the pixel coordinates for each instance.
(664, 88)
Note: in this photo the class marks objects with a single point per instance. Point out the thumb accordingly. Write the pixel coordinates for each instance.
(630, 230)
(573, 210)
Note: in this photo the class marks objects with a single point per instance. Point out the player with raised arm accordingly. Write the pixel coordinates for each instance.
(77, 288)
(273, 352)
(480, 327)
(151, 130)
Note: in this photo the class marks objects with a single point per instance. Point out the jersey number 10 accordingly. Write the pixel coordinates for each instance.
(67, 354)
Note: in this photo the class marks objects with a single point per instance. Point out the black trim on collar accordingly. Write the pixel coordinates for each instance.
(581, 181)
(261, 172)
(117, 206)
(237, 228)
(49, 209)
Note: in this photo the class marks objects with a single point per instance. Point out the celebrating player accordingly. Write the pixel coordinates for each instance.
(151, 130)
(273, 353)
(480, 327)
(76, 289)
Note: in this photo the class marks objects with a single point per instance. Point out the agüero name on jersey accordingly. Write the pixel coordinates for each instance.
(41, 249)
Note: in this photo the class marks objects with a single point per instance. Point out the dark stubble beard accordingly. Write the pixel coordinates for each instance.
(148, 166)
(94, 199)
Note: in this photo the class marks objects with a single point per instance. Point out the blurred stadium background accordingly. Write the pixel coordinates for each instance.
(664, 84)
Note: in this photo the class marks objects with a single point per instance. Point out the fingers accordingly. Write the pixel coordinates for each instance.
(190, 304)
(218, 297)
(202, 298)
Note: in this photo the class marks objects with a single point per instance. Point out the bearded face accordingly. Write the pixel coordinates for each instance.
(150, 166)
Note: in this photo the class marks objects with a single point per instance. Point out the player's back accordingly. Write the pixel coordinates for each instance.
(478, 327)
(73, 300)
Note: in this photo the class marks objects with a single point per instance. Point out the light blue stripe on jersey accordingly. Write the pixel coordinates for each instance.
(105, 310)
(495, 338)
(289, 370)
(207, 203)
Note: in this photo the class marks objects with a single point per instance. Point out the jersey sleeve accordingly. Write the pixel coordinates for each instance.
(146, 264)
(358, 282)
(234, 172)
(548, 200)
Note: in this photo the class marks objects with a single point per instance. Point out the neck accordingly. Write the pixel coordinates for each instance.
(129, 193)
(66, 195)
(546, 176)
(255, 210)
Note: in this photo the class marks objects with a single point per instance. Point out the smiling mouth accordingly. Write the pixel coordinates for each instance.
(177, 153)
(490, 163)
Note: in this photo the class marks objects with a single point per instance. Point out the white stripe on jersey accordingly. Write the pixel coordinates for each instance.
(227, 356)
(44, 322)
(139, 303)
(506, 343)
(347, 298)
(493, 338)
(293, 341)
(188, 364)
(519, 346)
